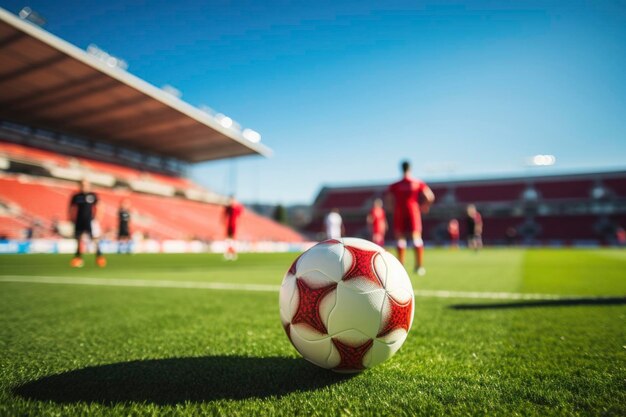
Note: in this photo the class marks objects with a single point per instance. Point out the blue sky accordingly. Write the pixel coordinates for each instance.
(342, 91)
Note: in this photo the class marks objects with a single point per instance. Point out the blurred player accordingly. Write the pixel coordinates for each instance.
(511, 235)
(620, 236)
(405, 196)
(83, 212)
(232, 211)
(333, 224)
(377, 222)
(474, 228)
(54, 227)
(453, 233)
(123, 227)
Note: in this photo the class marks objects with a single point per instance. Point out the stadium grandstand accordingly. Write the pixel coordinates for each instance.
(66, 115)
(572, 209)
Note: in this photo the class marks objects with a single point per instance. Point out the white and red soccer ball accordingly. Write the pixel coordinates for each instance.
(346, 305)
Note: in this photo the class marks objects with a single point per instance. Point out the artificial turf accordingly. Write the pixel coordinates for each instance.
(105, 350)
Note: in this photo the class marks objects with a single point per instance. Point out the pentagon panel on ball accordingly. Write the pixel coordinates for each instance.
(346, 305)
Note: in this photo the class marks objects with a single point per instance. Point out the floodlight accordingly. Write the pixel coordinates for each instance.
(172, 90)
(542, 160)
(32, 16)
(108, 59)
(251, 135)
(224, 120)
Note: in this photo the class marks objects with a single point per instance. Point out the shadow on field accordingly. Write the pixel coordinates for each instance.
(605, 301)
(177, 380)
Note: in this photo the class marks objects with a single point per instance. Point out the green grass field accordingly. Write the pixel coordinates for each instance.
(116, 350)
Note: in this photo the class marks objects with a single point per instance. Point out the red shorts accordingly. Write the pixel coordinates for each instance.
(407, 224)
(231, 231)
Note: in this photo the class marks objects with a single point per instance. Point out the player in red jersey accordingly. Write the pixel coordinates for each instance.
(232, 211)
(377, 222)
(407, 208)
(453, 232)
(620, 235)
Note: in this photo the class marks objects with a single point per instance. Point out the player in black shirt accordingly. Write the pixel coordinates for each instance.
(123, 227)
(474, 228)
(83, 210)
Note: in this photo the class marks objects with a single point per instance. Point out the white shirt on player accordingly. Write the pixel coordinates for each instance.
(333, 223)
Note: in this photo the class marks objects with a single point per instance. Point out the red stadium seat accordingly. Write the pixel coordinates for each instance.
(495, 228)
(566, 227)
(36, 155)
(564, 189)
(120, 172)
(346, 199)
(156, 216)
(487, 192)
(35, 198)
(616, 185)
(12, 228)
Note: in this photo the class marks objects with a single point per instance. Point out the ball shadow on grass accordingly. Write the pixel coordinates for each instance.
(564, 302)
(178, 380)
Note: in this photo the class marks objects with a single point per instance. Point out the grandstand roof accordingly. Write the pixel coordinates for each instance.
(47, 82)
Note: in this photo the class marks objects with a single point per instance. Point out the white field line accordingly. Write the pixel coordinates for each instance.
(146, 283)
(113, 282)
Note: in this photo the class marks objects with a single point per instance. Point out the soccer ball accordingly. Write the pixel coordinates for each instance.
(346, 305)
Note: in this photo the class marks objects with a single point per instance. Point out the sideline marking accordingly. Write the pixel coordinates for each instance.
(144, 283)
